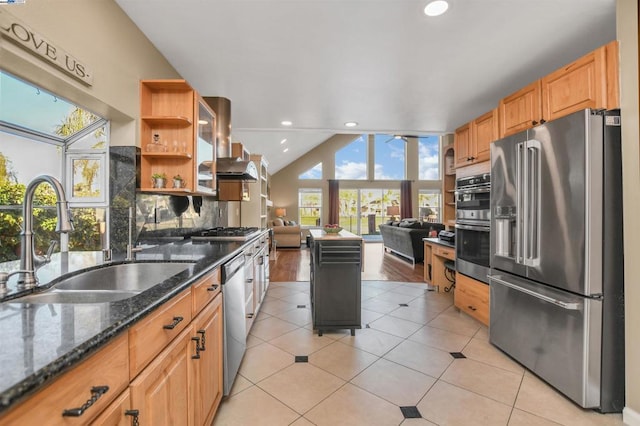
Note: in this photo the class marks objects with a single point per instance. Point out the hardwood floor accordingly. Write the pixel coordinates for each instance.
(293, 265)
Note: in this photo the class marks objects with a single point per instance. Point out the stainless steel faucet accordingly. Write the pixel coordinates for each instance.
(130, 246)
(29, 260)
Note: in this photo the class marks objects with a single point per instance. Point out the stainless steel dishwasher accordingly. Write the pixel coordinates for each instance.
(235, 329)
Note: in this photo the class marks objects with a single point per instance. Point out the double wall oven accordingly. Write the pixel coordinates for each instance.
(473, 222)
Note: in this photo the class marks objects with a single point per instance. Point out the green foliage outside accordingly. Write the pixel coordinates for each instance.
(86, 235)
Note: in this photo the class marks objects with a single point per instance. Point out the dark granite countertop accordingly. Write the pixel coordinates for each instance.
(41, 341)
(439, 241)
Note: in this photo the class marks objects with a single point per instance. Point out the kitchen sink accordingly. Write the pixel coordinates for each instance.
(107, 284)
(127, 277)
(54, 296)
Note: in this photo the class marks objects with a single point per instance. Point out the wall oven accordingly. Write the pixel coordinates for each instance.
(472, 226)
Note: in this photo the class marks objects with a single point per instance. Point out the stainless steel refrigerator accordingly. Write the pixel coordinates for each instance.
(556, 280)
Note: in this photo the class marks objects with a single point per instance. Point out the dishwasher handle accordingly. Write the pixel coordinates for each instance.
(231, 267)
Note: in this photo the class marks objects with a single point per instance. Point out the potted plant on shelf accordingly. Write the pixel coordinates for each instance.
(178, 181)
(158, 180)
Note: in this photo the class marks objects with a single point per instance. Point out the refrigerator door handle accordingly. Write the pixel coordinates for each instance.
(532, 250)
(571, 306)
(519, 206)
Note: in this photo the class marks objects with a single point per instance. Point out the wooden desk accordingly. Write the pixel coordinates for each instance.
(436, 252)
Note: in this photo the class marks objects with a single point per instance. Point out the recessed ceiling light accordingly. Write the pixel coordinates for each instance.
(203, 122)
(436, 8)
(287, 123)
(283, 141)
(350, 124)
(285, 150)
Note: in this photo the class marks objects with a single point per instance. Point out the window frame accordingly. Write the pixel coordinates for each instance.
(302, 191)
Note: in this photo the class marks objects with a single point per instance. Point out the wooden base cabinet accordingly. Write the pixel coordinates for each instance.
(206, 372)
(107, 369)
(161, 391)
(472, 297)
(176, 377)
(118, 413)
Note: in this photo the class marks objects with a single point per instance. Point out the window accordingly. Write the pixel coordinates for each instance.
(351, 161)
(429, 158)
(313, 173)
(429, 205)
(363, 210)
(389, 157)
(310, 206)
(41, 133)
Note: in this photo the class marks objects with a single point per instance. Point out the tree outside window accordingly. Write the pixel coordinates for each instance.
(310, 206)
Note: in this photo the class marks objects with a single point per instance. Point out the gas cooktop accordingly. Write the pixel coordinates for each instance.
(226, 234)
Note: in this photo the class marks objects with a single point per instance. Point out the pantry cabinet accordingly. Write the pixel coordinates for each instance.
(588, 82)
(177, 138)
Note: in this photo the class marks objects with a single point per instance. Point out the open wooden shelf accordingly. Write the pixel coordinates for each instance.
(184, 155)
(170, 119)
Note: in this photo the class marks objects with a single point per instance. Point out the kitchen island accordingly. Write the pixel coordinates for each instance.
(40, 342)
(335, 284)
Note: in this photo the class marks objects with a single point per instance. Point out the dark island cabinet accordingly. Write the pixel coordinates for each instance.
(336, 263)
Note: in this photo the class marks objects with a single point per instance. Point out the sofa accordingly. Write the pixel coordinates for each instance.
(286, 233)
(405, 237)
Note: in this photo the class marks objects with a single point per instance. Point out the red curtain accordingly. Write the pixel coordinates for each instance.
(406, 209)
(334, 201)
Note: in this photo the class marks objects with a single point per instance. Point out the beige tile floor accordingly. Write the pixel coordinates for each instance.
(401, 359)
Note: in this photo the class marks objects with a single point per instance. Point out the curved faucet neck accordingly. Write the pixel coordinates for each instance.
(28, 257)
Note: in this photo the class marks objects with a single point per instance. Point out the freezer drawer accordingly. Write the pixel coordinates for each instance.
(555, 334)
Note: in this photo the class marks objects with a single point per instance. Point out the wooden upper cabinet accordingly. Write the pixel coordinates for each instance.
(588, 82)
(472, 141)
(520, 110)
(579, 85)
(484, 130)
(462, 145)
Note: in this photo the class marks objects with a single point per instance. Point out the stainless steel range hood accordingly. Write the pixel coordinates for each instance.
(236, 169)
(228, 168)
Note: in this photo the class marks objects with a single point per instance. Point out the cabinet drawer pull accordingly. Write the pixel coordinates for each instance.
(134, 414)
(213, 287)
(176, 321)
(542, 121)
(197, 355)
(202, 339)
(471, 307)
(96, 393)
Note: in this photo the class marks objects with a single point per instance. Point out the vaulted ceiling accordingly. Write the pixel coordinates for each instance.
(381, 63)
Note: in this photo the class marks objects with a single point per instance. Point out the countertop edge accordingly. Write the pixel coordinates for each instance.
(40, 378)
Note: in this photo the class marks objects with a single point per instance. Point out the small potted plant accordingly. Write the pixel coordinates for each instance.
(158, 180)
(178, 181)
